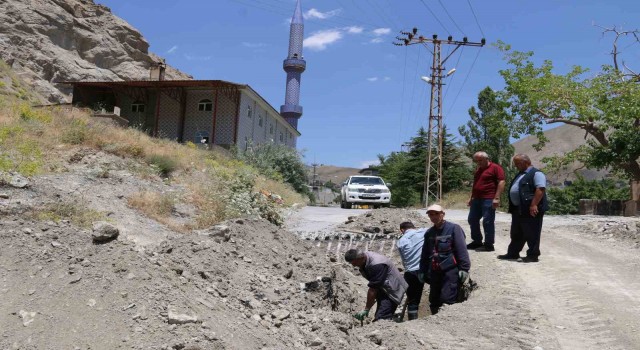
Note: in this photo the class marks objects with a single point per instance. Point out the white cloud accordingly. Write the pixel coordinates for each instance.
(386, 78)
(253, 45)
(196, 58)
(354, 30)
(381, 31)
(372, 79)
(376, 40)
(314, 13)
(172, 49)
(318, 41)
(365, 164)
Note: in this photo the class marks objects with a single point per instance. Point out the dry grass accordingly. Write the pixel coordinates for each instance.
(34, 140)
(456, 199)
(77, 212)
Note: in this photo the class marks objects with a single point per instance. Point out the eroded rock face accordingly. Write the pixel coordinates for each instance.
(50, 41)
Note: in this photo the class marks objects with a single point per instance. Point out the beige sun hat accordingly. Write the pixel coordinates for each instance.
(435, 207)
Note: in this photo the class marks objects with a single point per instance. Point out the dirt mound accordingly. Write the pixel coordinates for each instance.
(243, 285)
(384, 221)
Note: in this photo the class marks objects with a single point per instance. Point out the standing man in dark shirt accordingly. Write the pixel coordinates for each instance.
(488, 184)
(445, 260)
(386, 284)
(527, 205)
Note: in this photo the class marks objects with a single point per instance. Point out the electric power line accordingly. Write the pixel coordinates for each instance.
(474, 16)
(451, 18)
(436, 17)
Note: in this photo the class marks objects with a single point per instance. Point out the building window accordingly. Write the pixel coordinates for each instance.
(205, 105)
(259, 120)
(271, 129)
(290, 136)
(137, 107)
(249, 112)
(281, 137)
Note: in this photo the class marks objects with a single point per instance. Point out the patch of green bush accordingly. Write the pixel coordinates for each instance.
(567, 200)
(76, 133)
(163, 164)
(277, 162)
(18, 153)
(29, 114)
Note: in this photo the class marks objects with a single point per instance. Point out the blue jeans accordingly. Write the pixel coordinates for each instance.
(482, 209)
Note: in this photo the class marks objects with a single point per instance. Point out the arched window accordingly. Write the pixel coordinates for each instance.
(205, 105)
(260, 120)
(281, 137)
(137, 107)
(249, 111)
(271, 129)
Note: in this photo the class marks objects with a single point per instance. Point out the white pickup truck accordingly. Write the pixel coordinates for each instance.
(361, 189)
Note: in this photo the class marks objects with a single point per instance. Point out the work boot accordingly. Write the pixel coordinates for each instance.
(486, 248)
(474, 245)
(508, 257)
(411, 316)
(529, 259)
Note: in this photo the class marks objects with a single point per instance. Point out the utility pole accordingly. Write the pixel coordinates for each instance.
(433, 184)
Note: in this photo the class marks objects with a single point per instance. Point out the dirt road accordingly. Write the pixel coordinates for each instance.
(583, 294)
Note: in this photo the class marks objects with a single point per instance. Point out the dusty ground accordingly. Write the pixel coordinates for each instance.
(583, 294)
(251, 285)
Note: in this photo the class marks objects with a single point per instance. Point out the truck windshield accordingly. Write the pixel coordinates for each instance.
(366, 181)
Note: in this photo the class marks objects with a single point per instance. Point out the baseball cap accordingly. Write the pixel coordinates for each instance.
(435, 207)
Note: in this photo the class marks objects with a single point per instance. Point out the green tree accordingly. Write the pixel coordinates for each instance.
(406, 170)
(567, 200)
(277, 162)
(605, 105)
(487, 131)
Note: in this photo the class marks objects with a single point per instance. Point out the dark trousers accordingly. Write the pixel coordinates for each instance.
(525, 229)
(385, 307)
(482, 209)
(414, 293)
(444, 289)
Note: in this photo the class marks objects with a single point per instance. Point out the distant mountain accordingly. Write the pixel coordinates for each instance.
(336, 174)
(562, 139)
(50, 41)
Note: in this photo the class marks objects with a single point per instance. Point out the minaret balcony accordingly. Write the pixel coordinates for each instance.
(294, 64)
(291, 110)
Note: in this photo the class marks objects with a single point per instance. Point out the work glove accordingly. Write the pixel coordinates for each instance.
(463, 276)
(361, 315)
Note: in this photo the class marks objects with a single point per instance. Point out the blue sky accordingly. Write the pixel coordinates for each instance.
(361, 95)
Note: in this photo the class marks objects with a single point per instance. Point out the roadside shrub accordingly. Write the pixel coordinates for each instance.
(277, 162)
(17, 153)
(29, 114)
(76, 133)
(164, 164)
(567, 200)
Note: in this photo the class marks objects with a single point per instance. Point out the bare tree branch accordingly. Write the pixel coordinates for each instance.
(619, 33)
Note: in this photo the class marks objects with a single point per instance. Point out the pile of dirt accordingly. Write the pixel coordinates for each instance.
(383, 222)
(245, 284)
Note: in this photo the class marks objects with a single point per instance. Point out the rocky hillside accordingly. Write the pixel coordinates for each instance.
(50, 41)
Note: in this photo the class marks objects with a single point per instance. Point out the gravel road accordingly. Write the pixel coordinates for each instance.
(583, 294)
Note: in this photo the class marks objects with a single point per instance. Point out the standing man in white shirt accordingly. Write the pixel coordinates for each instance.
(410, 249)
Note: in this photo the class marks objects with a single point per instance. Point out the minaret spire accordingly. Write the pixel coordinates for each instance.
(294, 65)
